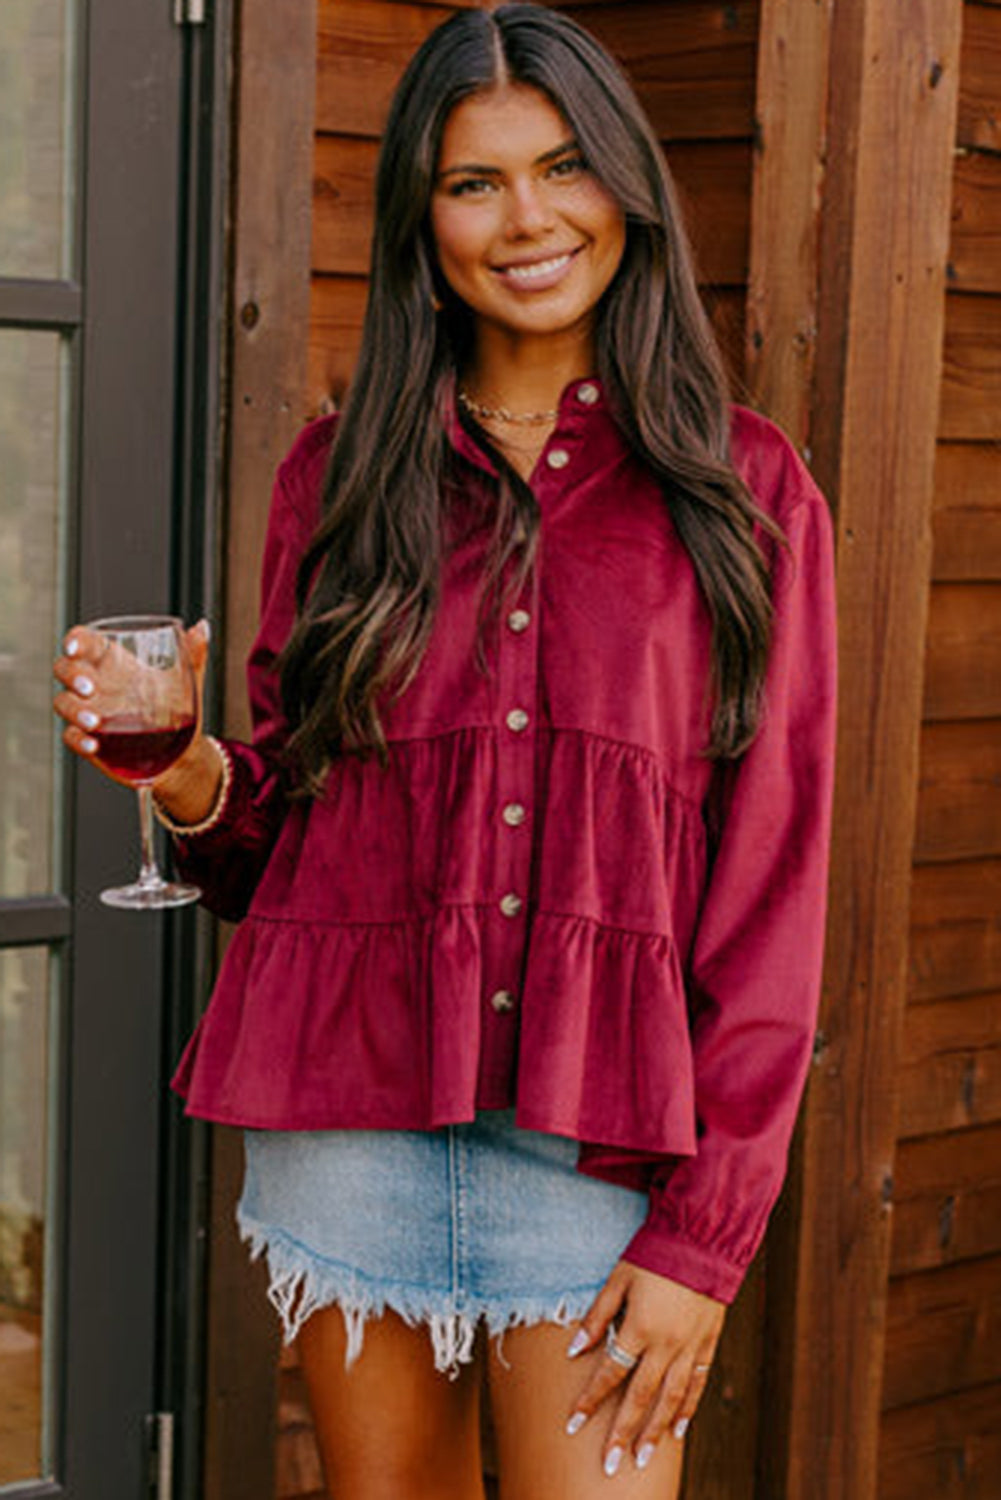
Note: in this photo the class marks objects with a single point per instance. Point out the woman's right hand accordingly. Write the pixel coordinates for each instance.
(89, 673)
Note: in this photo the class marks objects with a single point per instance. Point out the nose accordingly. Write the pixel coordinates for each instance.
(529, 210)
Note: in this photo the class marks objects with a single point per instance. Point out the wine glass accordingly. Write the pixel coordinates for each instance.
(148, 715)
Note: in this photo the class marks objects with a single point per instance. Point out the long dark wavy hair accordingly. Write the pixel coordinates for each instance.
(369, 583)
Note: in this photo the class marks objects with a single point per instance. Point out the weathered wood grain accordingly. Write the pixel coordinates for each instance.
(693, 65)
(950, 1090)
(943, 1332)
(947, 1199)
(971, 383)
(943, 1450)
(793, 62)
(362, 49)
(980, 86)
(963, 662)
(959, 791)
(967, 1021)
(956, 929)
(967, 518)
(338, 310)
(975, 252)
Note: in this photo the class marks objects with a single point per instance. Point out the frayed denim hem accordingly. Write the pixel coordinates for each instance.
(301, 1282)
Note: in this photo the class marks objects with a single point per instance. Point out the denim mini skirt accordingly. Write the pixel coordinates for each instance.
(475, 1222)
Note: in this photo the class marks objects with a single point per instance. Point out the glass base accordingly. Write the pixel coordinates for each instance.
(150, 895)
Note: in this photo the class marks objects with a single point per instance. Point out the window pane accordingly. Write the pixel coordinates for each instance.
(31, 385)
(34, 112)
(25, 987)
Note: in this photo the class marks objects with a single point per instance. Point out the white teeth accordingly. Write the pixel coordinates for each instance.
(540, 268)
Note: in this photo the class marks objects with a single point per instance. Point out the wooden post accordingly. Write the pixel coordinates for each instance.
(894, 68)
(275, 69)
(790, 123)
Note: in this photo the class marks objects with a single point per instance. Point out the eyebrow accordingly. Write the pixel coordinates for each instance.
(482, 170)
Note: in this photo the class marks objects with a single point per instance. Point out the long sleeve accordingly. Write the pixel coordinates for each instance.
(755, 966)
(228, 860)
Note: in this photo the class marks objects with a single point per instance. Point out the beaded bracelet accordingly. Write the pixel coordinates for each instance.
(187, 830)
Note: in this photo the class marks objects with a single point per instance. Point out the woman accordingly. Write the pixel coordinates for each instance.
(531, 841)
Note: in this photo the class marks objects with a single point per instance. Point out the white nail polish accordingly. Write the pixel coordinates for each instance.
(88, 746)
(612, 1461)
(575, 1423)
(680, 1428)
(72, 647)
(578, 1343)
(87, 720)
(83, 686)
(644, 1456)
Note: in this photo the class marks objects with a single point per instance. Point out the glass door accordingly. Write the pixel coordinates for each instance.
(92, 100)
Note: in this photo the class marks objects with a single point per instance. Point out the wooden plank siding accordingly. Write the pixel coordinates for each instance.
(941, 1428)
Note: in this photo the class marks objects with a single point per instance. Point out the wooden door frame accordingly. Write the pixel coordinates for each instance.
(268, 300)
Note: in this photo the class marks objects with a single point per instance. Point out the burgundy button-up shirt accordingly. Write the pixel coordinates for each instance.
(550, 897)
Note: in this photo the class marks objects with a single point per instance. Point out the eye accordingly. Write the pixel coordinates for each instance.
(468, 187)
(568, 166)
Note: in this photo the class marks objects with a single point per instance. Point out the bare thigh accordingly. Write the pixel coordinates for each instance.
(531, 1402)
(392, 1427)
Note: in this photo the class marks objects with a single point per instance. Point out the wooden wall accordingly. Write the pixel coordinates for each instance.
(941, 1428)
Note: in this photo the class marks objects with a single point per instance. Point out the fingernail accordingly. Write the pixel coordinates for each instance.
(578, 1343)
(644, 1456)
(72, 647)
(83, 686)
(87, 720)
(205, 628)
(88, 746)
(575, 1423)
(612, 1461)
(680, 1428)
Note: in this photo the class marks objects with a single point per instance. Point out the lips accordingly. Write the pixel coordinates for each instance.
(537, 274)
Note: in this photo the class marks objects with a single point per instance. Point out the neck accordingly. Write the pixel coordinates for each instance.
(527, 374)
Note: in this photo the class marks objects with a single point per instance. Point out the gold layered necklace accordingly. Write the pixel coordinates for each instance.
(502, 414)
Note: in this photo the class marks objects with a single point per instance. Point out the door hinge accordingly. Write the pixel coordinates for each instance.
(160, 1451)
(190, 12)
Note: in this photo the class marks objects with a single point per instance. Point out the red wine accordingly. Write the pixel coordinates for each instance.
(134, 751)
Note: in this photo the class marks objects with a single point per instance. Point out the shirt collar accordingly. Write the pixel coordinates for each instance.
(580, 401)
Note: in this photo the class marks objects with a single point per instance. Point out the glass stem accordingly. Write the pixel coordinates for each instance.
(148, 874)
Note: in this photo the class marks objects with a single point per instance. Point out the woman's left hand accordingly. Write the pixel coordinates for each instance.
(674, 1332)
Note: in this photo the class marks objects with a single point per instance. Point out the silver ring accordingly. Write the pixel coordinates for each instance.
(701, 1369)
(621, 1356)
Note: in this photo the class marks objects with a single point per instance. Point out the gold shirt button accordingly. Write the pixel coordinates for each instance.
(502, 1001)
(587, 393)
(514, 815)
(557, 458)
(510, 904)
(517, 720)
(518, 620)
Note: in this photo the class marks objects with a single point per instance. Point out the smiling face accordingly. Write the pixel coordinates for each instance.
(524, 234)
